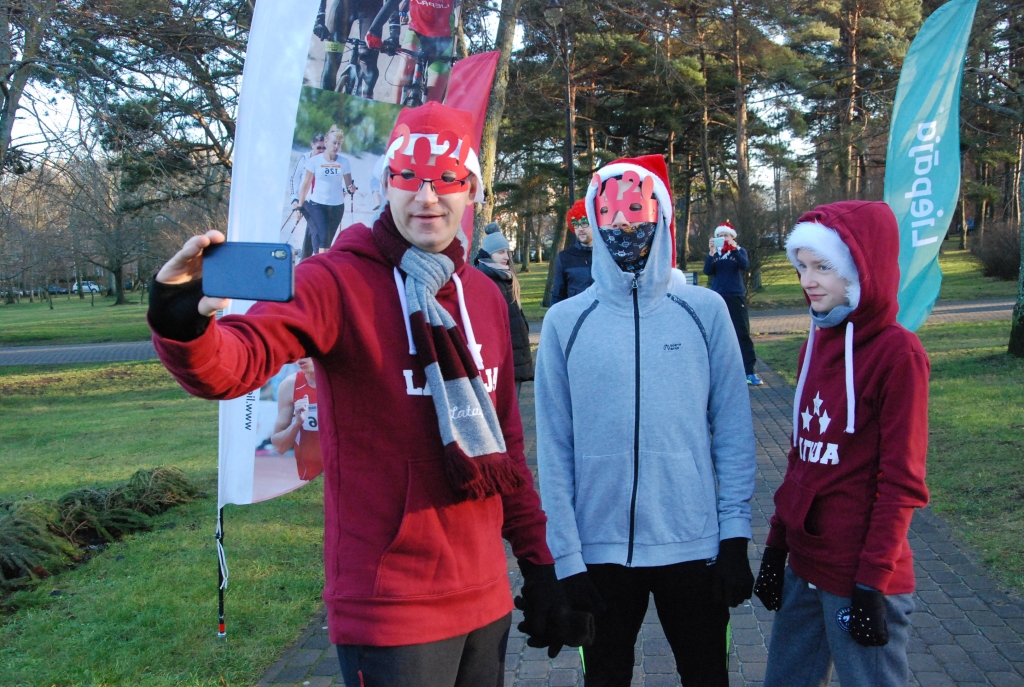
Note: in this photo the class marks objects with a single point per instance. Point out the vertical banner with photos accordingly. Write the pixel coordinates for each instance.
(323, 83)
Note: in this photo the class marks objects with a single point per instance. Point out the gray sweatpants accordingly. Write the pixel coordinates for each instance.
(476, 659)
(809, 635)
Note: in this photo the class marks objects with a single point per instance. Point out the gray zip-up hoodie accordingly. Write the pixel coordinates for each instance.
(645, 443)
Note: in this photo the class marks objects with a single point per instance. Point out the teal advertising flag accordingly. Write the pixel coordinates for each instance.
(922, 172)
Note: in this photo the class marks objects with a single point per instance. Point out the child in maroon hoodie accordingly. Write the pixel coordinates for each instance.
(857, 466)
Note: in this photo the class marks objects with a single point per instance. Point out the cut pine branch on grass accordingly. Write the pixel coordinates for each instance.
(39, 538)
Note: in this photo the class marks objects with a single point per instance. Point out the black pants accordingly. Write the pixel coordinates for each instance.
(694, 624)
(322, 222)
(741, 323)
(476, 659)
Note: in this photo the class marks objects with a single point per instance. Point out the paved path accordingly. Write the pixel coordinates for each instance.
(78, 353)
(776, 322)
(966, 631)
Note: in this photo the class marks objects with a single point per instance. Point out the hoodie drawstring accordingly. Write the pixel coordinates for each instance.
(800, 383)
(474, 347)
(405, 310)
(851, 398)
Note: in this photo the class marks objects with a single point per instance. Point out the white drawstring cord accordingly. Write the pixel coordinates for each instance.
(405, 310)
(851, 399)
(474, 347)
(800, 383)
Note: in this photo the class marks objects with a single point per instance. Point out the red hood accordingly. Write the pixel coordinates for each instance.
(870, 231)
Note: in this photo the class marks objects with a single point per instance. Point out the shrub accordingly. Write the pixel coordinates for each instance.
(999, 251)
(39, 538)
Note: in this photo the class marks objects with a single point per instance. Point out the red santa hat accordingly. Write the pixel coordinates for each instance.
(434, 122)
(725, 229)
(646, 166)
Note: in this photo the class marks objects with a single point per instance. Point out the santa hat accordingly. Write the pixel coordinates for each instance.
(577, 215)
(827, 245)
(429, 121)
(725, 229)
(646, 166)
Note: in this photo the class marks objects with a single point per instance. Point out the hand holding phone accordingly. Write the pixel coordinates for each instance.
(719, 242)
(187, 265)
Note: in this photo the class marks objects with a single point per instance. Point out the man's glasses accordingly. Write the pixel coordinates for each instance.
(406, 180)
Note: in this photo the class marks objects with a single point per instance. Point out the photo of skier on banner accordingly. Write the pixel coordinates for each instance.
(418, 498)
(645, 441)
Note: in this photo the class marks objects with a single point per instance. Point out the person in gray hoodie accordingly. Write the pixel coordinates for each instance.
(645, 443)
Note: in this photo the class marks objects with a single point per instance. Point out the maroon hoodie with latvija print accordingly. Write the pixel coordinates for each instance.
(857, 466)
(406, 560)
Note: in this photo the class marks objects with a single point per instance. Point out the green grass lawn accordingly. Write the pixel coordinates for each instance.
(532, 290)
(961, 281)
(144, 611)
(976, 430)
(72, 321)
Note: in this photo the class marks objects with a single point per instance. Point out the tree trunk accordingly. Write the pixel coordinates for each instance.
(495, 109)
(684, 251)
(849, 25)
(118, 275)
(556, 246)
(705, 154)
(742, 172)
(23, 68)
(963, 223)
(1016, 345)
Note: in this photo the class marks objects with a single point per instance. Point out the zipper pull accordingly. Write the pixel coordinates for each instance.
(634, 286)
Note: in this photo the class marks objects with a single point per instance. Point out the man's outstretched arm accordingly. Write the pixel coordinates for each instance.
(227, 358)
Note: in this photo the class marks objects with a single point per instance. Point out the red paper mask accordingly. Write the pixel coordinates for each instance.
(629, 195)
(448, 174)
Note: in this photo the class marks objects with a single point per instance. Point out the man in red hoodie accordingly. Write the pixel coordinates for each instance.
(419, 427)
(857, 466)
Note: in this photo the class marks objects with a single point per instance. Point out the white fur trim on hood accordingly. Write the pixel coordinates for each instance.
(472, 161)
(826, 244)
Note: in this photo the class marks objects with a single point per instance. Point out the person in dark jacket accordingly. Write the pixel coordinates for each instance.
(572, 266)
(493, 260)
(725, 264)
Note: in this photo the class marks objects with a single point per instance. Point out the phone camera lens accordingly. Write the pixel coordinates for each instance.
(279, 254)
(269, 272)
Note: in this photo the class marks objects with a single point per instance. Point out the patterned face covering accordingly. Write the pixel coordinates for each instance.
(631, 247)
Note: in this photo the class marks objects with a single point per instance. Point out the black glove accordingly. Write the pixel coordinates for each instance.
(868, 626)
(582, 594)
(733, 580)
(320, 29)
(548, 621)
(174, 310)
(771, 577)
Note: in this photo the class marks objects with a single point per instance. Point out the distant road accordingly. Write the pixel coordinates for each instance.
(781, 322)
(76, 353)
(765, 323)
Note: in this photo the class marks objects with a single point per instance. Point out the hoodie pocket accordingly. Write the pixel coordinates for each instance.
(671, 502)
(603, 488)
(824, 529)
(441, 547)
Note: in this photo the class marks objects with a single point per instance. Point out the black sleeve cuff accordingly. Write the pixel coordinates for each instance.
(174, 310)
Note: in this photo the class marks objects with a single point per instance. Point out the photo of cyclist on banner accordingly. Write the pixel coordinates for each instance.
(430, 30)
(334, 26)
